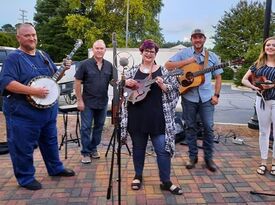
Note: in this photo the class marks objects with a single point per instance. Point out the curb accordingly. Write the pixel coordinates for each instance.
(241, 88)
(230, 123)
(235, 87)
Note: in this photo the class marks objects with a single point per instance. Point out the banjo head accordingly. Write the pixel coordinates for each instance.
(51, 98)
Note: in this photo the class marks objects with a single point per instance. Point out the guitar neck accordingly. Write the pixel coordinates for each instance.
(210, 69)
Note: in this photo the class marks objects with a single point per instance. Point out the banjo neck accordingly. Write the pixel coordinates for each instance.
(61, 69)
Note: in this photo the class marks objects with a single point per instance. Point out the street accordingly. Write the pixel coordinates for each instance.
(236, 105)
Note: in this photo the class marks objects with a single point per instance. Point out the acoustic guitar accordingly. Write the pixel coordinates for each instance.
(194, 74)
(140, 91)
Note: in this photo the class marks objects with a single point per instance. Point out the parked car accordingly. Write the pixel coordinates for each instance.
(4, 51)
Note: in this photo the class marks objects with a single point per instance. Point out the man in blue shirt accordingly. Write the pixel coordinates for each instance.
(198, 96)
(29, 126)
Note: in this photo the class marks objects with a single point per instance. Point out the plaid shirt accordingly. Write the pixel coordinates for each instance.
(169, 99)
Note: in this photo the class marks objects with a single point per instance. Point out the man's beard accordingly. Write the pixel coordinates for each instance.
(198, 47)
(29, 47)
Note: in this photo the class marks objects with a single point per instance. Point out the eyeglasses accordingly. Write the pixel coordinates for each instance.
(149, 51)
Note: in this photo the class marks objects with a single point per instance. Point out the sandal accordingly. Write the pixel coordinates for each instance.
(172, 188)
(272, 171)
(262, 170)
(136, 184)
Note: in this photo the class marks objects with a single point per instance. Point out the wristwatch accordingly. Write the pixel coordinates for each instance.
(217, 95)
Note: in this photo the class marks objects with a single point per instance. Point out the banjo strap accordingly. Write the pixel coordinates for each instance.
(46, 61)
(21, 53)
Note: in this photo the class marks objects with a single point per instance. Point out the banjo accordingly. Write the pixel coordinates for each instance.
(50, 83)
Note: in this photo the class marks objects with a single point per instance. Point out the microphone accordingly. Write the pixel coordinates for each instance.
(123, 61)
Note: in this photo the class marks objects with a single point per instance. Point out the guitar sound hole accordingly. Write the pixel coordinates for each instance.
(188, 79)
(189, 76)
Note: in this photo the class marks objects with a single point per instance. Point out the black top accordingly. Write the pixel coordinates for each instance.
(147, 115)
(95, 82)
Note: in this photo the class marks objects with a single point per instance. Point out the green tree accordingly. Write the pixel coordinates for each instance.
(51, 29)
(239, 29)
(250, 57)
(60, 22)
(8, 28)
(98, 19)
(8, 39)
(238, 32)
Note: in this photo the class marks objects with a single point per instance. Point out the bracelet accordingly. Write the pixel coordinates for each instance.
(217, 95)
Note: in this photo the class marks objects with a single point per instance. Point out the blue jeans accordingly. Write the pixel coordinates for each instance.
(91, 136)
(139, 141)
(27, 127)
(206, 113)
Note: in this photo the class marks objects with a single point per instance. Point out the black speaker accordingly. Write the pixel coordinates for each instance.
(4, 148)
(180, 131)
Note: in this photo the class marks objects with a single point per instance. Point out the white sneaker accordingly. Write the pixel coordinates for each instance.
(86, 159)
(95, 155)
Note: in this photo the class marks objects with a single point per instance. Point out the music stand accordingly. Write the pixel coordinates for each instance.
(65, 110)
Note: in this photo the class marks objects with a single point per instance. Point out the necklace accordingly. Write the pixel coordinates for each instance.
(147, 70)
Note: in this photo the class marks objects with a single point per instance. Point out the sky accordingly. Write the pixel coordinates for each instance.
(177, 18)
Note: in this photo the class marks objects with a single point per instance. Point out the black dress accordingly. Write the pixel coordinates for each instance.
(147, 116)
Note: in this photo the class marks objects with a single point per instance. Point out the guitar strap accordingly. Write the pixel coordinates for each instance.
(150, 74)
(205, 65)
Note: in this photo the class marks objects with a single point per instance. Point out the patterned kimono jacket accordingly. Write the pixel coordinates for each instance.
(169, 99)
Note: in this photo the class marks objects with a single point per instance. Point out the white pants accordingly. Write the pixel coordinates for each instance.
(265, 117)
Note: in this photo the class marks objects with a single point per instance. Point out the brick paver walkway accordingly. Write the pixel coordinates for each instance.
(231, 184)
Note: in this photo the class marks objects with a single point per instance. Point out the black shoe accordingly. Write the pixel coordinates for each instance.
(210, 164)
(65, 173)
(191, 163)
(34, 185)
(168, 186)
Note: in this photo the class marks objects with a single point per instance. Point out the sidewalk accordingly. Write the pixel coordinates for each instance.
(231, 184)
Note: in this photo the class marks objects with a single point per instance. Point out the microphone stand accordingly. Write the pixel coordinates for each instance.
(114, 114)
(120, 94)
(117, 136)
(116, 107)
(261, 193)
